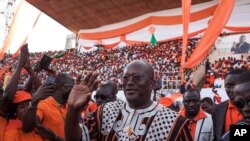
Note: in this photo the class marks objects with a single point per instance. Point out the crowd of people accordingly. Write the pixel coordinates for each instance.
(61, 108)
(215, 72)
(164, 57)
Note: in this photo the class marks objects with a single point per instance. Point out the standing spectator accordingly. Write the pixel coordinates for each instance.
(51, 111)
(201, 124)
(241, 100)
(207, 105)
(106, 93)
(225, 113)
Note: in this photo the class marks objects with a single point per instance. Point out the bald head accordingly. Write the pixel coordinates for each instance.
(140, 64)
(138, 84)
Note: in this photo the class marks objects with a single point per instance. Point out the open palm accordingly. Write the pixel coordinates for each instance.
(81, 92)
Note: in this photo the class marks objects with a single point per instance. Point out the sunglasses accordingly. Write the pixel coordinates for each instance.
(241, 103)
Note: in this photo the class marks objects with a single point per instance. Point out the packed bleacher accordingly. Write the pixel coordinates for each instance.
(215, 72)
(164, 57)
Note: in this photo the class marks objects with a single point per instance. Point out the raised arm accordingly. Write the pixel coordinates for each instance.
(33, 79)
(12, 85)
(78, 98)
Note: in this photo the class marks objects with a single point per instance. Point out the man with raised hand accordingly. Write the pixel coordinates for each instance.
(137, 119)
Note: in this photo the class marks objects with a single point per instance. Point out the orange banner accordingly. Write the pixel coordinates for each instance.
(186, 4)
(215, 27)
(238, 29)
(110, 46)
(87, 48)
(156, 20)
(11, 31)
(15, 55)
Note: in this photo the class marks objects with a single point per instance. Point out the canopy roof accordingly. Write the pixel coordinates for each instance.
(88, 14)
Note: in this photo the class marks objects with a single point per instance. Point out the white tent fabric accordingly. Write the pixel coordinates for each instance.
(240, 17)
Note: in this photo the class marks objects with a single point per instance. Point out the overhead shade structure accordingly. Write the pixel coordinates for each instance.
(162, 18)
(91, 14)
(167, 24)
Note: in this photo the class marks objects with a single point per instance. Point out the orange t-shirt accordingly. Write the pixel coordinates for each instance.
(52, 115)
(14, 124)
(3, 124)
(232, 116)
(19, 135)
(192, 123)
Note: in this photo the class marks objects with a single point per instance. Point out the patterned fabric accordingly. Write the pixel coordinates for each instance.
(117, 121)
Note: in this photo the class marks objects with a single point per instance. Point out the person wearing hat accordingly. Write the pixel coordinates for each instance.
(14, 130)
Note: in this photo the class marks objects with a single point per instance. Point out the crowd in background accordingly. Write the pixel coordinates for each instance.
(109, 63)
(215, 72)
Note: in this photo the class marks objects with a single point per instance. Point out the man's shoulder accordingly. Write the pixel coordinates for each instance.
(47, 102)
(167, 113)
(118, 104)
(167, 110)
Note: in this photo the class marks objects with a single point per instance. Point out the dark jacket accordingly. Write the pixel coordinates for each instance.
(226, 136)
(242, 48)
(219, 117)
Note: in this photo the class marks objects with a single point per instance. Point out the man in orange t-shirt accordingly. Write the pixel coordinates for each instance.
(201, 124)
(15, 132)
(51, 111)
(225, 113)
(22, 100)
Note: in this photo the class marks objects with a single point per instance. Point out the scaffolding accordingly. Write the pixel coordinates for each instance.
(7, 9)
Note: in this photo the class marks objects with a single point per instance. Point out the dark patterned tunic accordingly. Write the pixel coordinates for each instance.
(117, 121)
